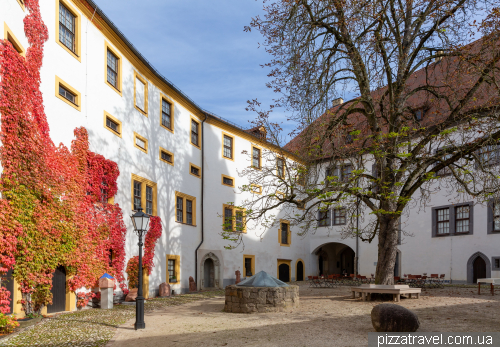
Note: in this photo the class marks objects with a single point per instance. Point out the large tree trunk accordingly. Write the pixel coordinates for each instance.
(387, 250)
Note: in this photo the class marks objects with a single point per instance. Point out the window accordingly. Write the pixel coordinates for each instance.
(194, 170)
(453, 220)
(227, 181)
(343, 172)
(493, 216)
(228, 219)
(489, 155)
(137, 195)
(180, 209)
(171, 270)
(21, 3)
(67, 28)
(112, 71)
(68, 94)
(349, 139)
(185, 209)
(140, 94)
(419, 114)
(174, 268)
(496, 263)
(256, 157)
(339, 215)
(195, 133)
(189, 212)
(443, 218)
(248, 265)
(324, 218)
(112, 124)
(234, 219)
(104, 193)
(166, 156)
(144, 193)
(280, 167)
(444, 156)
(9, 36)
(227, 146)
(256, 189)
(166, 114)
(284, 233)
(462, 219)
(140, 142)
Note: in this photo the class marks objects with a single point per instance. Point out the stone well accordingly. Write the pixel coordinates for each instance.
(261, 293)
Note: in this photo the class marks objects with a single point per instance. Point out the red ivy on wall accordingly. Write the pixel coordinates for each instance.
(53, 208)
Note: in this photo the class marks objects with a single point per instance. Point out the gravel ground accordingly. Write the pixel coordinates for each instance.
(325, 317)
(91, 327)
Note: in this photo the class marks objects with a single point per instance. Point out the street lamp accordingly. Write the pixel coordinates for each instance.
(140, 221)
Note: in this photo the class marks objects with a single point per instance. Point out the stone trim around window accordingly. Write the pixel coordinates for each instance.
(493, 265)
(452, 219)
(490, 225)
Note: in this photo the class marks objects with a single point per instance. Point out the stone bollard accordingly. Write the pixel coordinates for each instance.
(238, 276)
(106, 284)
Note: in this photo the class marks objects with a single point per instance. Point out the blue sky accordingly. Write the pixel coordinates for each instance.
(201, 47)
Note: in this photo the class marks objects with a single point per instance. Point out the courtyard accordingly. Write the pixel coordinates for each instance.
(325, 317)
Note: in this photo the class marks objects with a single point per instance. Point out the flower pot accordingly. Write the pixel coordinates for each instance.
(27, 322)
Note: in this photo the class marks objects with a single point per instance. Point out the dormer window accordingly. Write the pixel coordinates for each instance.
(419, 114)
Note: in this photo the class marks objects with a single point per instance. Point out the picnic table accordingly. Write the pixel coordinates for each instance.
(396, 290)
(491, 281)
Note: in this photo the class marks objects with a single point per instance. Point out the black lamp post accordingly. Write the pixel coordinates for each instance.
(141, 221)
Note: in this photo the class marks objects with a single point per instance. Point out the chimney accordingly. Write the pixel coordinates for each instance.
(338, 101)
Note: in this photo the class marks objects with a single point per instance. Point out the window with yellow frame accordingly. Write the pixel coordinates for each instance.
(9, 36)
(173, 268)
(112, 68)
(68, 94)
(140, 142)
(284, 233)
(140, 94)
(234, 219)
(112, 124)
(185, 208)
(68, 28)
(144, 195)
(248, 265)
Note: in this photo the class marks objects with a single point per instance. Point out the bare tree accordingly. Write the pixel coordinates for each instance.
(424, 116)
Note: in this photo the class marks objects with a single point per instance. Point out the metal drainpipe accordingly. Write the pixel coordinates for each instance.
(356, 270)
(202, 189)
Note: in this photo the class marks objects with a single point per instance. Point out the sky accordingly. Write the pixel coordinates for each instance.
(200, 46)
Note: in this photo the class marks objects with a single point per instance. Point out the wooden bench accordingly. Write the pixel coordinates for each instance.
(396, 290)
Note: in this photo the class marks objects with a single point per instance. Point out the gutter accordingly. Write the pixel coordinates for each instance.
(202, 190)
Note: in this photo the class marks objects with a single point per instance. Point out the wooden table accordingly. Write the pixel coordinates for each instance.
(365, 290)
(491, 281)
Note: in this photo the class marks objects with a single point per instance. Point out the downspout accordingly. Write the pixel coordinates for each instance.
(202, 189)
(356, 270)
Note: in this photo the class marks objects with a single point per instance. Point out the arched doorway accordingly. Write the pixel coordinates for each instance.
(8, 283)
(299, 271)
(478, 266)
(479, 271)
(333, 258)
(284, 272)
(58, 291)
(209, 270)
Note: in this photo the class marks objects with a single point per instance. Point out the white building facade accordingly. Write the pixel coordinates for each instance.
(171, 156)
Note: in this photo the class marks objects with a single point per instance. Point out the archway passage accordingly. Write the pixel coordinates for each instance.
(209, 273)
(334, 258)
(284, 272)
(479, 269)
(300, 271)
(58, 291)
(8, 283)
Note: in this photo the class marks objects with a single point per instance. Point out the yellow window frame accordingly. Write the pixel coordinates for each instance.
(231, 178)
(196, 167)
(232, 147)
(9, 36)
(78, 32)
(191, 131)
(172, 108)
(137, 76)
(145, 182)
(252, 264)
(177, 269)
(137, 136)
(260, 157)
(118, 88)
(233, 216)
(284, 221)
(78, 97)
(168, 152)
(259, 188)
(184, 198)
(119, 123)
